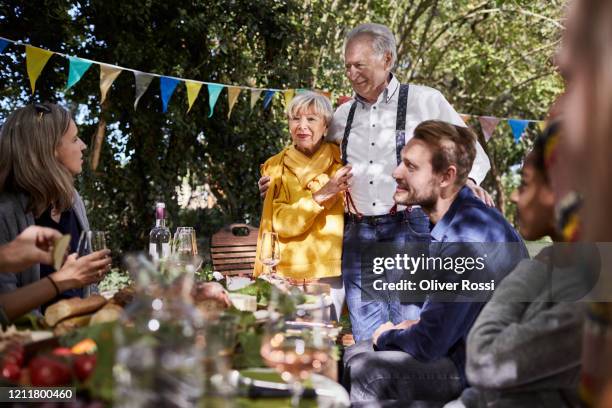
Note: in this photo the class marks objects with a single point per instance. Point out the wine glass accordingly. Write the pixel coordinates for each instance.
(186, 247)
(90, 241)
(269, 254)
(295, 351)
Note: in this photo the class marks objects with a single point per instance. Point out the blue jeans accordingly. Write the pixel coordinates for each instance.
(397, 376)
(404, 227)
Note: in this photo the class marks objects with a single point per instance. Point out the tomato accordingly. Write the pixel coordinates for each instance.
(62, 351)
(11, 371)
(84, 365)
(14, 354)
(49, 372)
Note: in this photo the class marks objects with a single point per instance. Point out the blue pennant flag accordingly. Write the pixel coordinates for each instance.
(268, 98)
(213, 94)
(76, 70)
(3, 44)
(167, 86)
(518, 128)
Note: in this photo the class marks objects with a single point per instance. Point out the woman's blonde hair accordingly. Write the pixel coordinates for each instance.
(311, 100)
(28, 141)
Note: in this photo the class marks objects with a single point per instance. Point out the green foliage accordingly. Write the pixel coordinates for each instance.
(487, 57)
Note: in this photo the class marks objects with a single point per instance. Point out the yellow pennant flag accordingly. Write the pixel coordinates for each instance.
(36, 59)
(193, 89)
(232, 97)
(108, 74)
(288, 94)
(542, 125)
(255, 96)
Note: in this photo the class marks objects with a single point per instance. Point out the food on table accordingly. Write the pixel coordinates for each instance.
(72, 307)
(85, 346)
(11, 335)
(245, 303)
(68, 325)
(83, 366)
(124, 296)
(109, 313)
(49, 372)
(59, 250)
(211, 299)
(12, 360)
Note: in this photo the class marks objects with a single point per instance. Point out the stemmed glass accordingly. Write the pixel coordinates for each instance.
(295, 350)
(90, 241)
(186, 247)
(269, 254)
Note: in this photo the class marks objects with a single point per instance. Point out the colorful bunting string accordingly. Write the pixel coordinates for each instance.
(3, 44)
(232, 97)
(76, 70)
(193, 89)
(108, 74)
(142, 81)
(268, 98)
(213, 94)
(167, 86)
(255, 93)
(37, 58)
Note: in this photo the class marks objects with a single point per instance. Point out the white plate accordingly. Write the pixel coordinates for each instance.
(330, 394)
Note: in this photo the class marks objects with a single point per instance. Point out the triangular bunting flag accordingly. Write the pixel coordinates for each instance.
(142, 82)
(465, 118)
(213, 94)
(193, 89)
(542, 125)
(76, 70)
(232, 97)
(255, 96)
(326, 94)
(488, 125)
(268, 98)
(167, 86)
(288, 94)
(3, 44)
(36, 59)
(108, 74)
(518, 127)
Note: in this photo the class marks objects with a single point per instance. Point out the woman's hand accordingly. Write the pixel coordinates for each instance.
(79, 272)
(30, 247)
(338, 183)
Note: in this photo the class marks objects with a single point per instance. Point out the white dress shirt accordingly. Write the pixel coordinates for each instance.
(371, 145)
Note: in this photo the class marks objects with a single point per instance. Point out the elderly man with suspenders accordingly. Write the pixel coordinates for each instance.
(372, 129)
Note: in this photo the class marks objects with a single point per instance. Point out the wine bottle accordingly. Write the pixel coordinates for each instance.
(159, 237)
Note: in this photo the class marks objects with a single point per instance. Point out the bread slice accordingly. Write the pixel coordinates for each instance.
(72, 307)
(68, 325)
(109, 313)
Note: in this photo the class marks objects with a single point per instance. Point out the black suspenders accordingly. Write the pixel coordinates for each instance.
(400, 124)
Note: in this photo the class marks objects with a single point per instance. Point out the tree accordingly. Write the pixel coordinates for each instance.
(487, 57)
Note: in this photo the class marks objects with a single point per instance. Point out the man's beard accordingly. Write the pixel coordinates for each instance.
(409, 197)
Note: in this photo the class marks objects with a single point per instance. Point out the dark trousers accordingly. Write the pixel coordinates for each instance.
(387, 376)
(403, 227)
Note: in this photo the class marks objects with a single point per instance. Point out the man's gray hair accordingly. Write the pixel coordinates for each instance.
(383, 39)
(311, 100)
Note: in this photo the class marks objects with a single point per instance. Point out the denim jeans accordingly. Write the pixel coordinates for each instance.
(399, 229)
(396, 376)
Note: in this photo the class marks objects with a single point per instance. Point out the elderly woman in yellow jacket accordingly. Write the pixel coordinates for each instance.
(304, 204)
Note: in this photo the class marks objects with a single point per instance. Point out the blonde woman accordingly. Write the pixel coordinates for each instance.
(40, 154)
(304, 204)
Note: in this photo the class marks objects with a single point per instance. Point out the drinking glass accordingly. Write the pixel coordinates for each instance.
(185, 241)
(90, 241)
(269, 254)
(295, 351)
